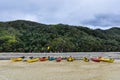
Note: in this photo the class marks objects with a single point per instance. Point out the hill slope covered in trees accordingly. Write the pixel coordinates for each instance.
(27, 36)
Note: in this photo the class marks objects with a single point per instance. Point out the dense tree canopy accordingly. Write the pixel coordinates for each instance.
(27, 36)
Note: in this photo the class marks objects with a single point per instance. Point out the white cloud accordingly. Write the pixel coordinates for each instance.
(75, 12)
(18, 16)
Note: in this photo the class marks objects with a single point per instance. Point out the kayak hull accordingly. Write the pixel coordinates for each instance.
(107, 60)
(16, 59)
(43, 59)
(86, 59)
(70, 59)
(95, 59)
(51, 58)
(58, 59)
(33, 60)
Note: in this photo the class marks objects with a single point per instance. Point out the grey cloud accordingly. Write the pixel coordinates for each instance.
(75, 12)
(105, 20)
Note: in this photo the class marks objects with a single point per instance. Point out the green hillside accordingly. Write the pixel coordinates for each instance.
(27, 36)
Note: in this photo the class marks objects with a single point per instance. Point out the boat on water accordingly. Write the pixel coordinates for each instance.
(58, 59)
(32, 60)
(86, 59)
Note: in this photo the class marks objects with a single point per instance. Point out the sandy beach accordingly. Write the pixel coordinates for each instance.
(52, 70)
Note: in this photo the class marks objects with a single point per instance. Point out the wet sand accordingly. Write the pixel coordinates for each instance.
(52, 70)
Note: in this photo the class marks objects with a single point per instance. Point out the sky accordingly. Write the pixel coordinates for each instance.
(90, 13)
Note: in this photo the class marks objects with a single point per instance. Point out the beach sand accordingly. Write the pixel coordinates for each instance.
(52, 70)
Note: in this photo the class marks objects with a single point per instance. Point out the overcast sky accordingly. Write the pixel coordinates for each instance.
(91, 13)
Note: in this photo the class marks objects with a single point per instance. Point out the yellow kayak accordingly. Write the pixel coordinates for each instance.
(16, 59)
(32, 60)
(85, 59)
(70, 59)
(107, 60)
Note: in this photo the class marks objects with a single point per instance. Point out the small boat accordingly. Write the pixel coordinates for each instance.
(86, 59)
(32, 60)
(51, 58)
(58, 59)
(43, 59)
(110, 60)
(16, 59)
(70, 59)
(27, 58)
(95, 59)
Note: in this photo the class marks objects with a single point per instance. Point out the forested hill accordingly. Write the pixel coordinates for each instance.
(27, 36)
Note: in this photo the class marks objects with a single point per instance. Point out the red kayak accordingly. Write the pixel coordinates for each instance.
(95, 59)
(58, 59)
(43, 59)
